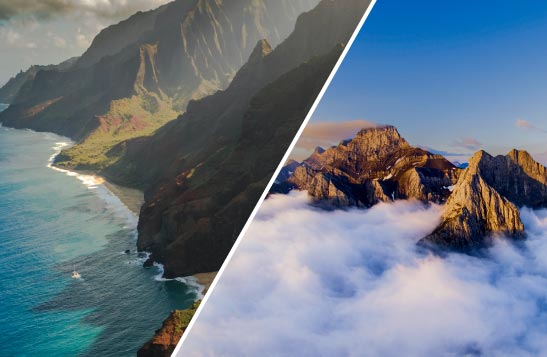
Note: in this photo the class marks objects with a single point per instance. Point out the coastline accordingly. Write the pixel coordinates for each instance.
(75, 223)
(205, 280)
(132, 198)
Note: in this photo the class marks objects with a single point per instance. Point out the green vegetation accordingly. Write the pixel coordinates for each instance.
(128, 118)
(182, 318)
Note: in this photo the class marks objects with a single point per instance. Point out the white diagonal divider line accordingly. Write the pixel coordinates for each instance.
(177, 351)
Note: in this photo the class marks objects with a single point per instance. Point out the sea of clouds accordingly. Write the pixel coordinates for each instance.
(309, 282)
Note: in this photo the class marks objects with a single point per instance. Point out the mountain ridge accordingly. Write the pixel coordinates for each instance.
(184, 50)
(481, 202)
(376, 165)
(485, 201)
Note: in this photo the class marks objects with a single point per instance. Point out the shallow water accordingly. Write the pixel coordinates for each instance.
(51, 222)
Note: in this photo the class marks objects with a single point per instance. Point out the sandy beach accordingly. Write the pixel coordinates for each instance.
(205, 279)
(130, 197)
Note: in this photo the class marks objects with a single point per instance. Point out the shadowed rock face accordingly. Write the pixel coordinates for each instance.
(516, 176)
(377, 165)
(485, 200)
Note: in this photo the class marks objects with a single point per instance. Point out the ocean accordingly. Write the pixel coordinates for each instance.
(52, 222)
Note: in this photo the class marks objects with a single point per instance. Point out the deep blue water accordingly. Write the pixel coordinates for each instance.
(50, 222)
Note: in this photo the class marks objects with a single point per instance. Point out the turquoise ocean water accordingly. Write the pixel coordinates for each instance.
(51, 222)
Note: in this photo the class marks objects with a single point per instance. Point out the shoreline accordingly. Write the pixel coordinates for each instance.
(132, 199)
(205, 280)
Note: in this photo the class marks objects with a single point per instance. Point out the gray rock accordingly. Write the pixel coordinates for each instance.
(473, 213)
(485, 200)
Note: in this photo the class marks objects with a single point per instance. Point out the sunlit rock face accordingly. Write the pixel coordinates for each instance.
(377, 165)
(485, 200)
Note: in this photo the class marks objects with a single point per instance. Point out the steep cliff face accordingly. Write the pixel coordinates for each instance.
(516, 176)
(116, 37)
(201, 195)
(141, 73)
(377, 165)
(473, 212)
(485, 200)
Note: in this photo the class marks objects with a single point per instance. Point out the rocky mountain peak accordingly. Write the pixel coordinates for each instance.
(318, 150)
(481, 202)
(376, 142)
(478, 157)
(486, 198)
(529, 166)
(516, 176)
(378, 164)
(475, 212)
(261, 50)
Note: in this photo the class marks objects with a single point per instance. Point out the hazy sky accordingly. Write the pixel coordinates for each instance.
(46, 32)
(453, 76)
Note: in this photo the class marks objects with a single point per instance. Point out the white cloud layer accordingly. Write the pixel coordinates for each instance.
(306, 282)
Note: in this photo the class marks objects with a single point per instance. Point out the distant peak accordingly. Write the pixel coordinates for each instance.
(385, 137)
(291, 162)
(388, 129)
(261, 50)
(318, 150)
(479, 156)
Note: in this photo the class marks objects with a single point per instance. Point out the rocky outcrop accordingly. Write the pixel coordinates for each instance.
(287, 170)
(166, 338)
(485, 201)
(472, 214)
(377, 165)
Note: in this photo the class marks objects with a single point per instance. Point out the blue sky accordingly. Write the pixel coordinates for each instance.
(453, 76)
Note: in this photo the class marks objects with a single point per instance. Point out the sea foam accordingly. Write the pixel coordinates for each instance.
(91, 181)
(96, 183)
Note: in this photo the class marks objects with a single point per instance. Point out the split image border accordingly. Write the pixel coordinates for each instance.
(178, 349)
